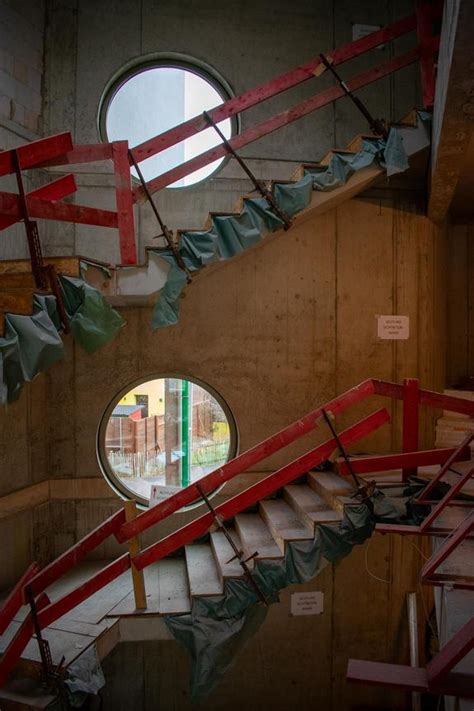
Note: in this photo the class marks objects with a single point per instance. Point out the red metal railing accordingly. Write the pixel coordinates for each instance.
(46, 202)
(117, 526)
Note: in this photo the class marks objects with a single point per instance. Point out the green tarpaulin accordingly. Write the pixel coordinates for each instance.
(32, 344)
(218, 627)
(230, 235)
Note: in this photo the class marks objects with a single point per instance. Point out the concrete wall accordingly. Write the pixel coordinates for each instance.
(88, 42)
(460, 269)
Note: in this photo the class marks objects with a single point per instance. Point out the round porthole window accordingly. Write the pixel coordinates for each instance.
(151, 98)
(159, 435)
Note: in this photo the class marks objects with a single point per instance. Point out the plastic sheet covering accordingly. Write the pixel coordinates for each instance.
(230, 235)
(219, 627)
(84, 677)
(93, 322)
(32, 344)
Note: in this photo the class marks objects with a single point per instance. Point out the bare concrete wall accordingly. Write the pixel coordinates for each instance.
(460, 338)
(89, 42)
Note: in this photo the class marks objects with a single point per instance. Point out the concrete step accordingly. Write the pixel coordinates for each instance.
(332, 488)
(328, 157)
(300, 171)
(173, 587)
(202, 570)
(223, 552)
(283, 522)
(256, 536)
(310, 506)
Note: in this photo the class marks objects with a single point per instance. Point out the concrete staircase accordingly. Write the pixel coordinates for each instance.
(140, 284)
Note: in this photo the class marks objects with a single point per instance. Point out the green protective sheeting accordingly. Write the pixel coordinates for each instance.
(93, 322)
(230, 235)
(32, 344)
(218, 627)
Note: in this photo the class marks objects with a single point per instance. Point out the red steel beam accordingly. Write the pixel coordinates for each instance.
(411, 401)
(66, 603)
(242, 463)
(452, 653)
(15, 599)
(76, 553)
(88, 153)
(32, 154)
(56, 190)
(272, 88)
(19, 641)
(461, 532)
(453, 491)
(464, 444)
(123, 192)
(257, 491)
(278, 121)
(400, 676)
(47, 210)
(387, 462)
(427, 397)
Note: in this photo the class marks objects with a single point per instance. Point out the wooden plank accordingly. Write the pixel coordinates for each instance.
(256, 536)
(427, 397)
(411, 389)
(258, 491)
(202, 571)
(18, 642)
(138, 580)
(63, 265)
(173, 587)
(123, 193)
(278, 121)
(309, 505)
(64, 212)
(243, 462)
(332, 488)
(15, 599)
(284, 523)
(223, 552)
(410, 678)
(32, 154)
(272, 88)
(57, 189)
(366, 464)
(17, 302)
(70, 558)
(96, 601)
(450, 654)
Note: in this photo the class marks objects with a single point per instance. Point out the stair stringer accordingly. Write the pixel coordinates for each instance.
(141, 284)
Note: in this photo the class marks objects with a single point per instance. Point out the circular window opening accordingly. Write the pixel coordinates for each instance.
(158, 436)
(155, 97)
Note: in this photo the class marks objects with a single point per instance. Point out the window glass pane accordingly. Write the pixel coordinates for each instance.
(164, 434)
(153, 101)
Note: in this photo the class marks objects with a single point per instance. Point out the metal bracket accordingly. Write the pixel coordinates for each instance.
(50, 674)
(364, 489)
(377, 126)
(238, 553)
(43, 274)
(258, 185)
(165, 231)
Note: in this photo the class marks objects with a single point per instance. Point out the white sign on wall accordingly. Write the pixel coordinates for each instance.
(394, 328)
(307, 603)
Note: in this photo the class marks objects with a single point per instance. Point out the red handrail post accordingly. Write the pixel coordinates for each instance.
(411, 404)
(123, 192)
